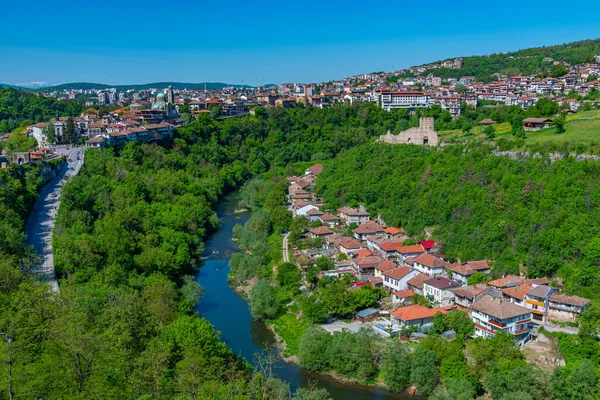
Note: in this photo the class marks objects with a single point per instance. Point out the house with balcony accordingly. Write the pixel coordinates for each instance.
(537, 301)
(383, 267)
(566, 308)
(364, 267)
(490, 315)
(406, 252)
(439, 290)
(516, 294)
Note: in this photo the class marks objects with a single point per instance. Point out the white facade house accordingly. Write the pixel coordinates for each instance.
(439, 290)
(397, 278)
(491, 315)
(430, 265)
(303, 211)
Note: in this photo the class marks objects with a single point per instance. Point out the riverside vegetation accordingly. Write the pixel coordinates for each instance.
(131, 227)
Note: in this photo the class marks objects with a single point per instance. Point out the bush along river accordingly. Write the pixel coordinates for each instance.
(230, 314)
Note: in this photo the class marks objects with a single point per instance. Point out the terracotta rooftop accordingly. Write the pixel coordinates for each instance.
(506, 281)
(418, 280)
(398, 273)
(517, 292)
(321, 231)
(403, 294)
(431, 261)
(417, 248)
(393, 231)
(368, 227)
(349, 243)
(469, 291)
(414, 312)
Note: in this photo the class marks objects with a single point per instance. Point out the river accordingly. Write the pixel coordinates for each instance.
(230, 314)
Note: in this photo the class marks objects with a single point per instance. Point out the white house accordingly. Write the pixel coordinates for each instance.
(430, 265)
(303, 211)
(397, 278)
(439, 290)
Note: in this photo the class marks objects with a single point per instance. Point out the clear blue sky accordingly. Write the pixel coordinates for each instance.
(134, 41)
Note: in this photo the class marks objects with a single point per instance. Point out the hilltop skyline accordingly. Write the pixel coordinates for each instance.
(270, 43)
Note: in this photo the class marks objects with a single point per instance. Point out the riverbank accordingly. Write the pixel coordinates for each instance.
(229, 313)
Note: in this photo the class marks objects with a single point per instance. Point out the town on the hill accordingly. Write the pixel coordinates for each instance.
(151, 114)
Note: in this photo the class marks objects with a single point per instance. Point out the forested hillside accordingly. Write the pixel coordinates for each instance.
(533, 212)
(129, 234)
(526, 62)
(19, 108)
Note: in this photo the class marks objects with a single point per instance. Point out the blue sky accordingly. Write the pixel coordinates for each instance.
(120, 42)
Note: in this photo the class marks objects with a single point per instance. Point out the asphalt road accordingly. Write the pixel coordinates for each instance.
(41, 221)
(285, 248)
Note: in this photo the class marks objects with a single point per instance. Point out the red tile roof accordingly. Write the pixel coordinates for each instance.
(417, 248)
(398, 273)
(414, 312)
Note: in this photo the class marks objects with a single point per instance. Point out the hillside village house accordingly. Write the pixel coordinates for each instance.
(535, 124)
(416, 283)
(384, 266)
(491, 314)
(430, 265)
(406, 252)
(395, 234)
(461, 273)
(439, 290)
(367, 229)
(330, 220)
(353, 215)
(516, 294)
(364, 267)
(314, 214)
(566, 308)
(414, 315)
(465, 296)
(320, 232)
(402, 296)
(349, 245)
(537, 301)
(397, 278)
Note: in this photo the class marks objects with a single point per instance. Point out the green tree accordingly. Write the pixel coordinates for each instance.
(264, 303)
(453, 389)
(50, 133)
(424, 371)
(395, 366)
(476, 278)
(490, 132)
(70, 136)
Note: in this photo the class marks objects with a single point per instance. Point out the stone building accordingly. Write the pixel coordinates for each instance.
(423, 135)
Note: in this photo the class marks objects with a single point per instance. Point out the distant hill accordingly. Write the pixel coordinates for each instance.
(154, 85)
(532, 61)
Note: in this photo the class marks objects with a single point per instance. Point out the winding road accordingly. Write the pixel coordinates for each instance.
(41, 221)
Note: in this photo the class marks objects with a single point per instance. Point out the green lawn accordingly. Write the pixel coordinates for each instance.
(476, 132)
(290, 329)
(583, 127)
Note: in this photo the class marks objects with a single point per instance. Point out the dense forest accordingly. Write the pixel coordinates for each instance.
(20, 109)
(533, 212)
(527, 62)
